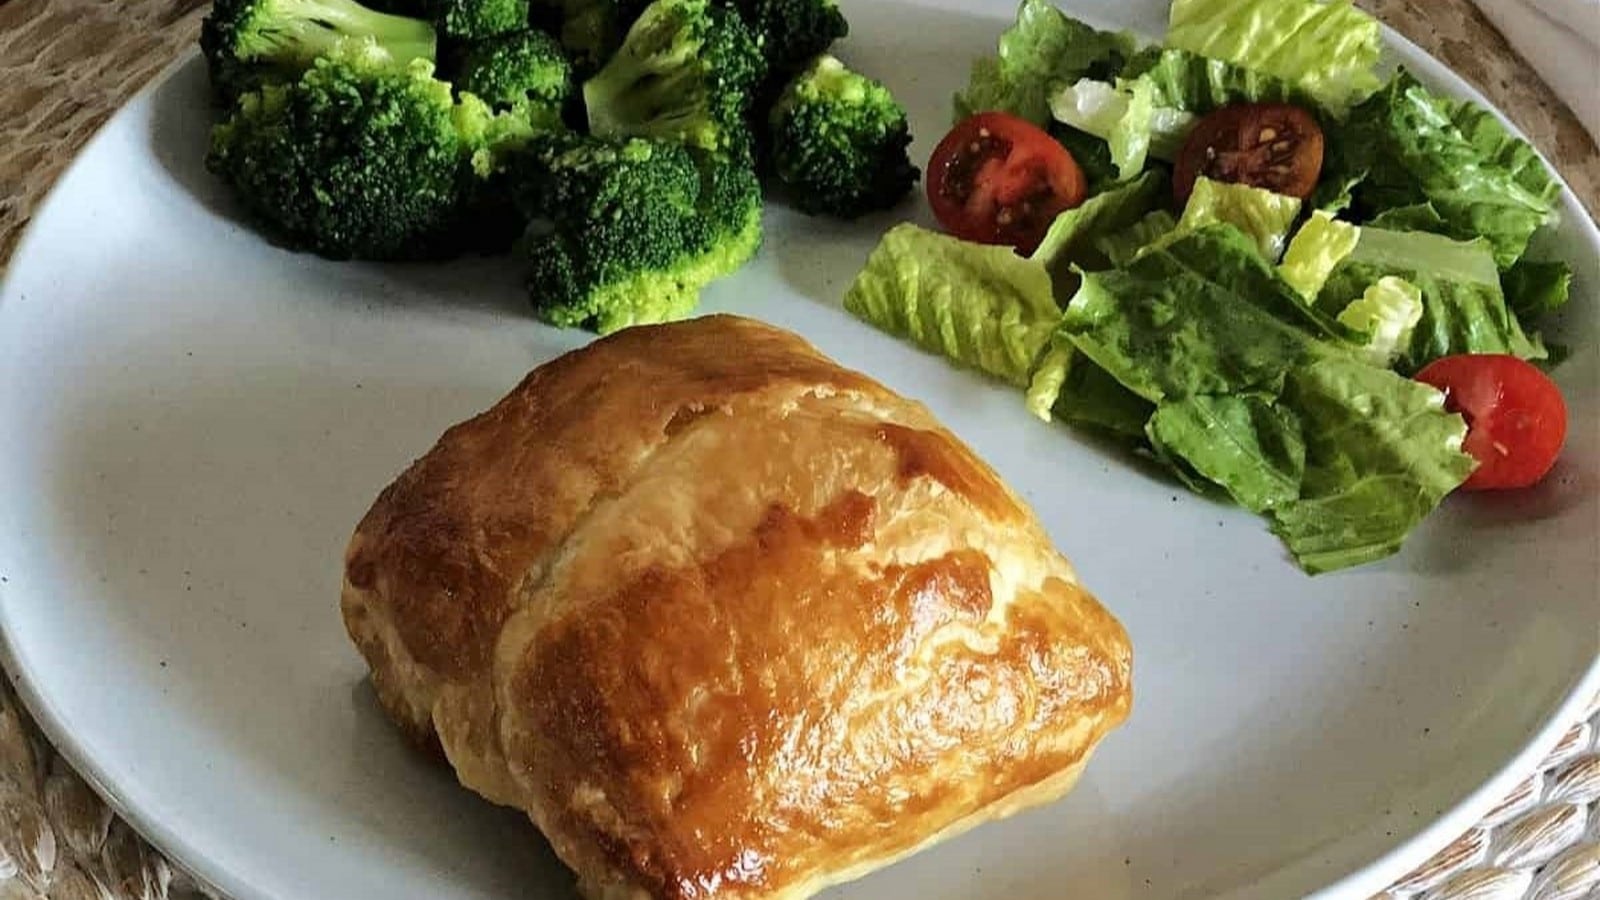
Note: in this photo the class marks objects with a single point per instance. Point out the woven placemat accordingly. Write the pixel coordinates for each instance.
(66, 65)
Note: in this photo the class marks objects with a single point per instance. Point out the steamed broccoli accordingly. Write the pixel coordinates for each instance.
(589, 30)
(791, 32)
(525, 67)
(463, 19)
(477, 19)
(250, 42)
(838, 142)
(685, 71)
(636, 229)
(362, 157)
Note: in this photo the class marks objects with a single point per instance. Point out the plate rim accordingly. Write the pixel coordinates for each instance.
(1368, 879)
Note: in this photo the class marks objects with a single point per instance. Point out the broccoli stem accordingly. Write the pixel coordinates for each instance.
(308, 29)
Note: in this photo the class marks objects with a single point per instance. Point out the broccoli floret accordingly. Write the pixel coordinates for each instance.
(572, 178)
(838, 142)
(635, 230)
(362, 157)
(589, 30)
(463, 19)
(791, 32)
(478, 19)
(526, 67)
(685, 71)
(247, 43)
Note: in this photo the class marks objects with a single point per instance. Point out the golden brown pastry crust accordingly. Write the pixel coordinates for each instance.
(728, 620)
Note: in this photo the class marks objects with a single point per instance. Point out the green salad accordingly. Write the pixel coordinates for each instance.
(1251, 256)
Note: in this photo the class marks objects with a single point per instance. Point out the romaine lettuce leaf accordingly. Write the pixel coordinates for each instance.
(1416, 147)
(1092, 154)
(1463, 308)
(1329, 50)
(1044, 385)
(1261, 214)
(1197, 84)
(1203, 314)
(1336, 186)
(1071, 238)
(979, 305)
(1320, 245)
(1416, 217)
(1241, 371)
(1125, 116)
(1387, 314)
(1535, 289)
(1381, 452)
(1449, 259)
(1503, 150)
(1122, 246)
(1043, 49)
(1068, 386)
(1247, 443)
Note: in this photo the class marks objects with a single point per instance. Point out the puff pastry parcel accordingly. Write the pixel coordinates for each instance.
(728, 620)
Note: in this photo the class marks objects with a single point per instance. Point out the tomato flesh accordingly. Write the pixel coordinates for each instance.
(998, 179)
(1274, 146)
(1516, 416)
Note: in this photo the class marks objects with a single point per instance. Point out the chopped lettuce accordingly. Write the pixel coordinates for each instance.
(1041, 50)
(1416, 217)
(1090, 397)
(1125, 116)
(1416, 147)
(1463, 308)
(1381, 453)
(1249, 444)
(979, 305)
(1044, 387)
(1068, 386)
(1203, 314)
(1535, 289)
(1195, 83)
(1335, 190)
(1072, 237)
(1093, 156)
(1091, 106)
(1320, 245)
(1275, 383)
(1387, 314)
(1242, 372)
(1263, 215)
(1149, 110)
(1329, 50)
(1451, 260)
(1122, 246)
(1501, 149)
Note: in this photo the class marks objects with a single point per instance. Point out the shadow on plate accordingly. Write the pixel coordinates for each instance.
(555, 881)
(181, 116)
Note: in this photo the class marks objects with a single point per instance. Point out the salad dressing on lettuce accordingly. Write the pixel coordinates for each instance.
(1259, 345)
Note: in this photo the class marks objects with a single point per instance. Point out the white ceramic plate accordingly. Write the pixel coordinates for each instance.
(192, 421)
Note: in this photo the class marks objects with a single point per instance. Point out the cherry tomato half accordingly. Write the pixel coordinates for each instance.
(1266, 145)
(1516, 418)
(998, 179)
